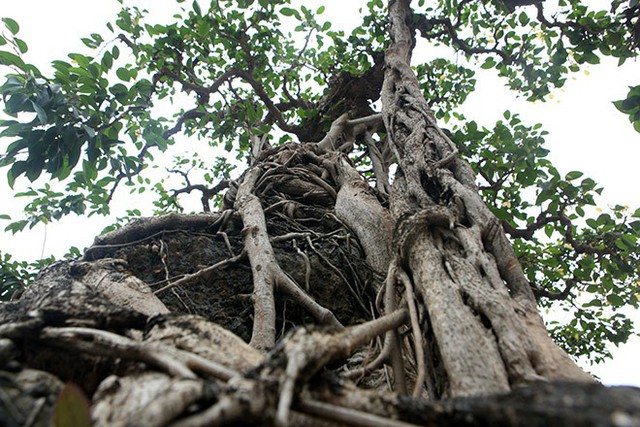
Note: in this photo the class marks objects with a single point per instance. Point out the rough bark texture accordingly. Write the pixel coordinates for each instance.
(276, 310)
(475, 293)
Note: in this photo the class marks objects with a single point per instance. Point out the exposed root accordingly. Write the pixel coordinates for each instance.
(307, 266)
(245, 400)
(353, 292)
(417, 332)
(347, 416)
(376, 363)
(324, 316)
(307, 352)
(171, 360)
(391, 347)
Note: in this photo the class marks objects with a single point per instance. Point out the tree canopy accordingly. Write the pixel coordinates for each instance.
(233, 75)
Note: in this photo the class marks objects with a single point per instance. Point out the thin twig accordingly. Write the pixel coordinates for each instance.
(190, 277)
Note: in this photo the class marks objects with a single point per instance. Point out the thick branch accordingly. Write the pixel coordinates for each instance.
(344, 131)
(268, 102)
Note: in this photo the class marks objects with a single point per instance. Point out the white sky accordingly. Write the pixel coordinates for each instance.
(586, 132)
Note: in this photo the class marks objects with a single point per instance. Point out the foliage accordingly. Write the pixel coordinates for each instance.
(237, 70)
(16, 275)
(631, 106)
(531, 50)
(13, 276)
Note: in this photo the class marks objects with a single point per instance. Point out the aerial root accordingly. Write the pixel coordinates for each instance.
(347, 283)
(203, 272)
(307, 265)
(265, 269)
(376, 363)
(386, 302)
(392, 347)
(417, 332)
(308, 351)
(293, 290)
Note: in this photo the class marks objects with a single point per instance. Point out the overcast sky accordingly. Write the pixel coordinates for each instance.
(586, 132)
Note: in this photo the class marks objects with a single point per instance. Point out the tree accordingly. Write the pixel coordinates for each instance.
(368, 266)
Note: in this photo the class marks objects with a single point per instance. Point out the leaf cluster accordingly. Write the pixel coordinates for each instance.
(631, 106)
(534, 52)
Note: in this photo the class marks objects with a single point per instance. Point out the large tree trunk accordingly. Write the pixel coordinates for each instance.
(464, 270)
(312, 299)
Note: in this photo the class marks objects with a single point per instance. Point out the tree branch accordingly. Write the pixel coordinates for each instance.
(540, 292)
(528, 232)
(425, 26)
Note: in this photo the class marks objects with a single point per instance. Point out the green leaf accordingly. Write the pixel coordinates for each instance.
(82, 60)
(123, 74)
(615, 300)
(16, 226)
(11, 59)
(72, 408)
(17, 169)
(196, 8)
(34, 171)
(488, 63)
(107, 60)
(523, 18)
(11, 25)
(42, 115)
(590, 58)
(620, 245)
(22, 46)
(89, 42)
(287, 11)
(573, 175)
(594, 303)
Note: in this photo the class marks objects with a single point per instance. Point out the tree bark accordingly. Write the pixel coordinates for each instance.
(465, 272)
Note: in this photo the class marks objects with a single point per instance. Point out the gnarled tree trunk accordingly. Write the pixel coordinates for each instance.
(464, 270)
